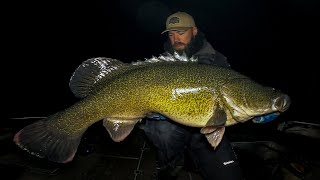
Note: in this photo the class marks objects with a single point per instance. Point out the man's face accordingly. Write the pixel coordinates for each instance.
(180, 39)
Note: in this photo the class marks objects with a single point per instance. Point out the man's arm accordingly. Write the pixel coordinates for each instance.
(213, 59)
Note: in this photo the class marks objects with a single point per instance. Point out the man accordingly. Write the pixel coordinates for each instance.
(173, 140)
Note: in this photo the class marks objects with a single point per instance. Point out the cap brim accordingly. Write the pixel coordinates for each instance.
(176, 29)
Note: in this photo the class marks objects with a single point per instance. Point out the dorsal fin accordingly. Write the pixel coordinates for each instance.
(90, 72)
(94, 70)
(166, 58)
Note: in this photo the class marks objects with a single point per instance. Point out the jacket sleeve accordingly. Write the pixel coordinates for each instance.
(213, 59)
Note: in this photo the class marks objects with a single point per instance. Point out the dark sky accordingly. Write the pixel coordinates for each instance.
(44, 41)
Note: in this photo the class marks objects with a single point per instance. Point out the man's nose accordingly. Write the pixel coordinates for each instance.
(176, 38)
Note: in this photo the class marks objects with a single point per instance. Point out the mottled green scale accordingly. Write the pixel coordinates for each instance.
(153, 88)
(184, 92)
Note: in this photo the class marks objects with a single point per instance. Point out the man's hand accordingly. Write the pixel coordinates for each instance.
(156, 116)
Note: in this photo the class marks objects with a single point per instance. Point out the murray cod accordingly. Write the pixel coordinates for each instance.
(121, 94)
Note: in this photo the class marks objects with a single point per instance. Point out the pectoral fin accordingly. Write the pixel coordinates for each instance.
(219, 117)
(213, 134)
(119, 129)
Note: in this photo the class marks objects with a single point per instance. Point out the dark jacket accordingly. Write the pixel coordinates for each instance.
(208, 55)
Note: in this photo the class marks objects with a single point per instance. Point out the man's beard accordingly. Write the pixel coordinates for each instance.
(185, 49)
(192, 47)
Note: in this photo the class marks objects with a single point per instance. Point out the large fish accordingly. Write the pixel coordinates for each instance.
(121, 94)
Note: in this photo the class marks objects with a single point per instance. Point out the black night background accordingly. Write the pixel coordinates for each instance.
(272, 42)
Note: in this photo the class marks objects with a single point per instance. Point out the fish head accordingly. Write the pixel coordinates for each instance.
(246, 99)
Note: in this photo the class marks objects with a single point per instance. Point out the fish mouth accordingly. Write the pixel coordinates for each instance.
(282, 103)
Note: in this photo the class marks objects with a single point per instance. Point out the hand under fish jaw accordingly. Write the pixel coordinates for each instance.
(266, 118)
(281, 104)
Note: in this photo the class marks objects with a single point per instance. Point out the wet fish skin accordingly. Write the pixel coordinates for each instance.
(204, 96)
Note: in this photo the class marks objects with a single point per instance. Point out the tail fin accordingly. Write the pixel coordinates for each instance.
(45, 142)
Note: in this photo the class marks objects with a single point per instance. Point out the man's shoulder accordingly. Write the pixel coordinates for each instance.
(208, 55)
